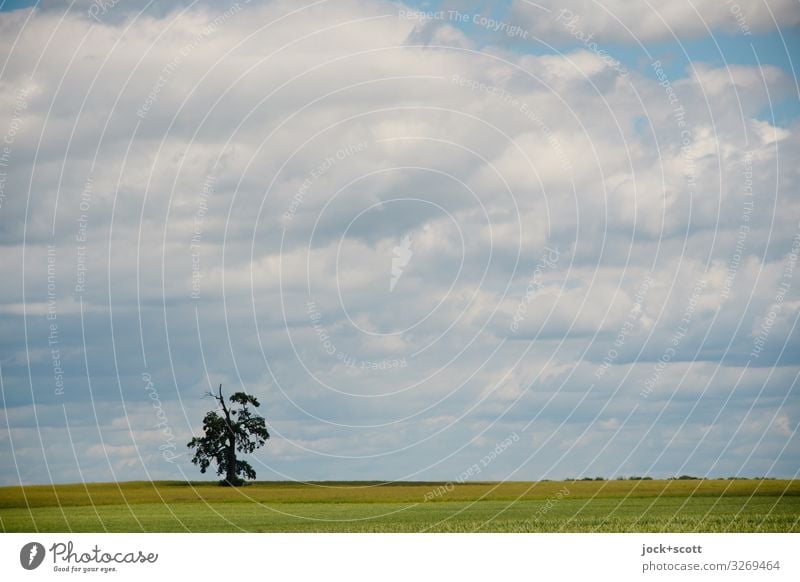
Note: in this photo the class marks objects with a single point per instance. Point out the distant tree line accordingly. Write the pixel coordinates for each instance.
(680, 478)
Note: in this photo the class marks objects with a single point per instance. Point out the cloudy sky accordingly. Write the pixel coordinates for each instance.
(547, 240)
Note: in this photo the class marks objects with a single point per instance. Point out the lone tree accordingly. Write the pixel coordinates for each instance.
(238, 429)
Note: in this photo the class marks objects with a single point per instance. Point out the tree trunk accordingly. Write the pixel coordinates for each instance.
(231, 454)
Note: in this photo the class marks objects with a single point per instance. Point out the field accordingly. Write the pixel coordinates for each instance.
(568, 506)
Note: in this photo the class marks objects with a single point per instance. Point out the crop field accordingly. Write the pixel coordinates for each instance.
(549, 506)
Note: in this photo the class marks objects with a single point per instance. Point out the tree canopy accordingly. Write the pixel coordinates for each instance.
(237, 429)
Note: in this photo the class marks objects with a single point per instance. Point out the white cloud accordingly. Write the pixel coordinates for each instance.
(629, 22)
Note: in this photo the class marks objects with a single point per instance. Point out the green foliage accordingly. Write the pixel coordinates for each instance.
(237, 429)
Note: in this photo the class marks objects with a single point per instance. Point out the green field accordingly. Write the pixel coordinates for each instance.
(568, 506)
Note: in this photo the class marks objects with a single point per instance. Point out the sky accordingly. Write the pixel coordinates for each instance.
(437, 240)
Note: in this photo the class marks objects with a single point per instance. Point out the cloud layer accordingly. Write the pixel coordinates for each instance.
(409, 238)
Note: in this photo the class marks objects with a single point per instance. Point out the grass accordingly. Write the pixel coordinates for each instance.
(572, 506)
